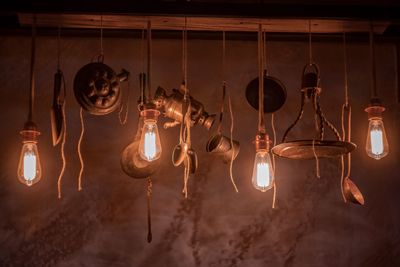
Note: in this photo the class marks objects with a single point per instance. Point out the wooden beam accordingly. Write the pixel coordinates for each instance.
(200, 23)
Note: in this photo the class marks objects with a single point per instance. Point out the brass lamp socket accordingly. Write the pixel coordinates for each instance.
(375, 109)
(262, 142)
(150, 114)
(30, 132)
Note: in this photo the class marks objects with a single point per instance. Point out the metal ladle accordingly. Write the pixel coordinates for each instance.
(350, 191)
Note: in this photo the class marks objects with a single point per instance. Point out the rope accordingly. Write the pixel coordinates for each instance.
(317, 170)
(342, 178)
(261, 124)
(123, 121)
(149, 193)
(62, 151)
(374, 92)
(79, 150)
(32, 87)
(273, 159)
(232, 147)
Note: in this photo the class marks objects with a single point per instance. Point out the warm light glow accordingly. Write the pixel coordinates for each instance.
(150, 145)
(377, 146)
(29, 169)
(263, 174)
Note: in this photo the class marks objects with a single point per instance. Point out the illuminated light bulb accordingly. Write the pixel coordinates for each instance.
(150, 145)
(263, 173)
(376, 145)
(29, 168)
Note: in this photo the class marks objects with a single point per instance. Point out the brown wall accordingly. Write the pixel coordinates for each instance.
(105, 224)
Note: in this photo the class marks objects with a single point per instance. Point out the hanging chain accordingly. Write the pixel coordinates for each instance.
(261, 124)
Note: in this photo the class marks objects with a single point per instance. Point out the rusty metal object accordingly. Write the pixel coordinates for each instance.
(274, 94)
(171, 107)
(220, 145)
(307, 149)
(97, 88)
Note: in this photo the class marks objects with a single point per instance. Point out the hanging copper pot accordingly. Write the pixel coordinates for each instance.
(97, 88)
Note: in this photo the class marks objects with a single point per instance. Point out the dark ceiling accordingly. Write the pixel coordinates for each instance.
(386, 10)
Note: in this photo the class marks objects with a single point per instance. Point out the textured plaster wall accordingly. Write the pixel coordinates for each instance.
(105, 223)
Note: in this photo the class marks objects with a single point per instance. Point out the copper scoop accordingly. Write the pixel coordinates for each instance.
(351, 192)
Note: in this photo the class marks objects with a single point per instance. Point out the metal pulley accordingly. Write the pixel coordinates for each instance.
(318, 147)
(97, 88)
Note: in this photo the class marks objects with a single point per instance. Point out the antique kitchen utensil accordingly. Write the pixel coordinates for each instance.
(97, 88)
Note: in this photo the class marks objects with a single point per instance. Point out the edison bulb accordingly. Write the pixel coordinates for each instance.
(263, 173)
(377, 145)
(150, 145)
(29, 169)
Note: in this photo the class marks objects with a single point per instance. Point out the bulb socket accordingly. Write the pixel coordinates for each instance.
(29, 133)
(150, 114)
(262, 142)
(375, 109)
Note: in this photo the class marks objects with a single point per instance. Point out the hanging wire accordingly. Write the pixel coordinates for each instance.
(64, 162)
(58, 48)
(232, 147)
(101, 37)
(221, 112)
(149, 193)
(345, 108)
(374, 93)
(64, 126)
(79, 150)
(123, 120)
(149, 58)
(261, 124)
(273, 159)
(142, 77)
(310, 59)
(32, 86)
(346, 92)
